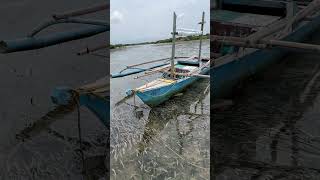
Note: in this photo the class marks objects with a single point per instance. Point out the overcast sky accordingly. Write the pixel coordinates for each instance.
(147, 20)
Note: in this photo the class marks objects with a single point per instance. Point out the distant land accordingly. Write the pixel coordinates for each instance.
(187, 38)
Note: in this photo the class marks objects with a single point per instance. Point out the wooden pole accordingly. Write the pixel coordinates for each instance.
(261, 44)
(200, 44)
(217, 4)
(314, 5)
(88, 51)
(173, 45)
(241, 44)
(194, 75)
(290, 7)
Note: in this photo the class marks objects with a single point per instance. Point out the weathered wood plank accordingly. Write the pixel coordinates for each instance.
(263, 43)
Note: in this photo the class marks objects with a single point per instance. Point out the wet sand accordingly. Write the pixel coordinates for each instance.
(272, 131)
(28, 78)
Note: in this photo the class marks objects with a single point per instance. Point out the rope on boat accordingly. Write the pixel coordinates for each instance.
(80, 135)
(59, 111)
(41, 124)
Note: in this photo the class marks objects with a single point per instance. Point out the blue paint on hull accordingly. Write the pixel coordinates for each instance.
(157, 96)
(225, 77)
(99, 106)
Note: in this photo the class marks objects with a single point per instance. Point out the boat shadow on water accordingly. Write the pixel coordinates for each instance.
(93, 166)
(190, 104)
(266, 134)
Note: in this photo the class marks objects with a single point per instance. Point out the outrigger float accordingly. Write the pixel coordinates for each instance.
(177, 72)
(250, 35)
(94, 96)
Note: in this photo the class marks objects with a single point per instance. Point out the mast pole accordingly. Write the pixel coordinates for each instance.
(173, 45)
(200, 44)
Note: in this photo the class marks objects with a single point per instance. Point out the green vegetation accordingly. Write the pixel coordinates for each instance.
(187, 38)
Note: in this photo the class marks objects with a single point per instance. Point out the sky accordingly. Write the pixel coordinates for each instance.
(134, 21)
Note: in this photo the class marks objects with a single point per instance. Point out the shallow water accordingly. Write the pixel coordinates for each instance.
(272, 131)
(27, 80)
(169, 141)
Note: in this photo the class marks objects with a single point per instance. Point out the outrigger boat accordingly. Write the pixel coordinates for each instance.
(176, 75)
(250, 35)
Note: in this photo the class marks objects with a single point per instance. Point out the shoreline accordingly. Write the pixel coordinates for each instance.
(169, 40)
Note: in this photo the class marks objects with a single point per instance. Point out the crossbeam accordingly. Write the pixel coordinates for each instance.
(264, 43)
(282, 24)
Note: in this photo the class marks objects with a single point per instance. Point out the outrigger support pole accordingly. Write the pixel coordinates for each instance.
(31, 42)
(68, 20)
(173, 45)
(263, 43)
(200, 44)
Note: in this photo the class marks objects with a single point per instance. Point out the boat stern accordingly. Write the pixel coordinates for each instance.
(98, 105)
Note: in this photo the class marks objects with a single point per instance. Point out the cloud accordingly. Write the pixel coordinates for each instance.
(193, 1)
(180, 15)
(116, 17)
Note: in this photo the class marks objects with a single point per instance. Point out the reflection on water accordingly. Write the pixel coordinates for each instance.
(272, 131)
(168, 141)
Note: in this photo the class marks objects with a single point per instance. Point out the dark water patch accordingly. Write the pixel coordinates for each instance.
(266, 133)
(28, 78)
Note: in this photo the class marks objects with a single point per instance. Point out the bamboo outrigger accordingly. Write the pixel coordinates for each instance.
(35, 42)
(244, 40)
(177, 72)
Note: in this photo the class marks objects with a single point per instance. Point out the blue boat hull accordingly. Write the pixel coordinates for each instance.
(100, 106)
(157, 96)
(225, 77)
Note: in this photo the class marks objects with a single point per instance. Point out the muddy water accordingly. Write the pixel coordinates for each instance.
(169, 141)
(272, 131)
(27, 79)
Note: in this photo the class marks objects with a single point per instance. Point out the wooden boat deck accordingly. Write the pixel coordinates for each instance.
(156, 84)
(161, 82)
